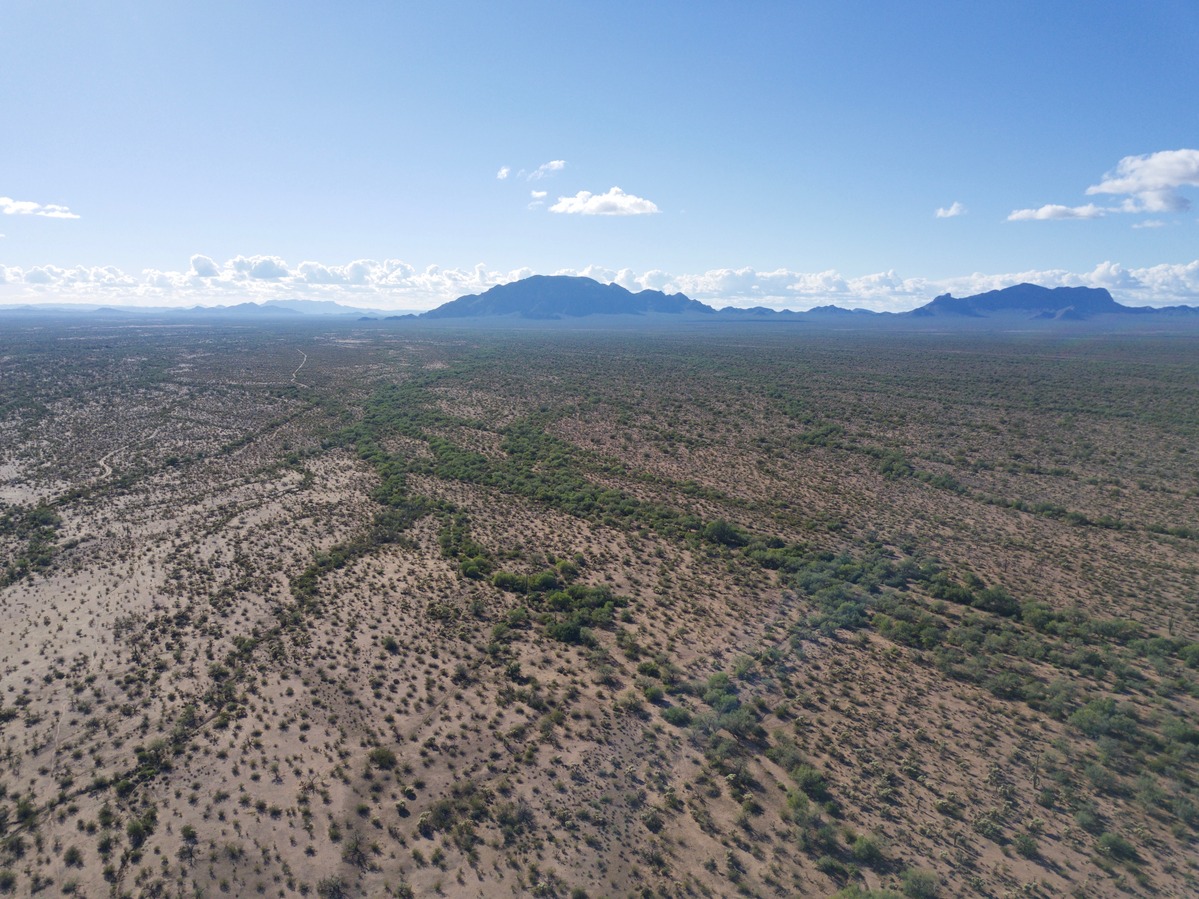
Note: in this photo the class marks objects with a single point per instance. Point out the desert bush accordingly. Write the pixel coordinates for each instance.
(332, 888)
(1116, 846)
(382, 757)
(920, 884)
(1026, 845)
(1103, 717)
(677, 715)
(867, 850)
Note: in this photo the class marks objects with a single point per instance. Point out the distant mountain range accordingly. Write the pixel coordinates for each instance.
(557, 297)
(323, 307)
(560, 296)
(288, 308)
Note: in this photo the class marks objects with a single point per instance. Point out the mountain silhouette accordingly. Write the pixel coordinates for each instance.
(1030, 301)
(564, 296)
(568, 296)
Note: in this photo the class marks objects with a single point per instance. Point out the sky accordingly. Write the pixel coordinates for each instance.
(788, 154)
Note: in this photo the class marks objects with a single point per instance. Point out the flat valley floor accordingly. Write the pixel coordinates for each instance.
(336, 609)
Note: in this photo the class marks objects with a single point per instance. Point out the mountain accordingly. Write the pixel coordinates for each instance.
(754, 312)
(277, 307)
(324, 307)
(564, 296)
(1030, 301)
(76, 308)
(841, 311)
(253, 309)
(550, 297)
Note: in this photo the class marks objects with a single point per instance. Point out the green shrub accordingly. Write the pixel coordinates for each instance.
(812, 782)
(830, 867)
(1116, 846)
(677, 715)
(1088, 820)
(1026, 845)
(919, 884)
(382, 757)
(506, 580)
(1103, 717)
(866, 850)
(720, 531)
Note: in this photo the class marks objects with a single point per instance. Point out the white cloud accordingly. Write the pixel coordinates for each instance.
(81, 278)
(538, 194)
(204, 267)
(614, 202)
(952, 211)
(1051, 211)
(9, 206)
(503, 172)
(546, 169)
(316, 273)
(262, 268)
(1150, 223)
(42, 274)
(1150, 183)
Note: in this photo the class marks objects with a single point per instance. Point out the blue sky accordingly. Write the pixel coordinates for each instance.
(789, 154)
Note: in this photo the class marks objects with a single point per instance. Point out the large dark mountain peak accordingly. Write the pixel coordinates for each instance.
(564, 296)
(1029, 301)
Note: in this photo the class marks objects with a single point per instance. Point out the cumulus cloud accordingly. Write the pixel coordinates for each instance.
(80, 278)
(546, 169)
(42, 274)
(1151, 183)
(1051, 211)
(9, 206)
(503, 173)
(204, 267)
(316, 273)
(951, 211)
(614, 202)
(262, 268)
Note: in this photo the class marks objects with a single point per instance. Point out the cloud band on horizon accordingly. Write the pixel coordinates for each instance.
(392, 284)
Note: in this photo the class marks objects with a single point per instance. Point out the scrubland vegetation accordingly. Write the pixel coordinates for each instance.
(757, 611)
